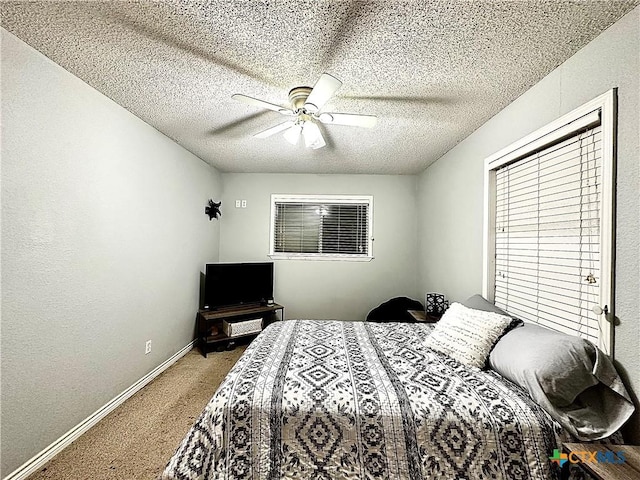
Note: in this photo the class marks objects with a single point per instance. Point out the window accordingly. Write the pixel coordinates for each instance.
(322, 227)
(549, 224)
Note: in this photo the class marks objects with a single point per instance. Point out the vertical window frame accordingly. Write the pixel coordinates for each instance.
(321, 198)
(604, 106)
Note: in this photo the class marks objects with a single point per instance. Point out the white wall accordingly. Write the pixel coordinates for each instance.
(327, 289)
(103, 238)
(451, 190)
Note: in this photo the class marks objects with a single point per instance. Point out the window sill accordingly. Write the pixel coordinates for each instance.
(302, 256)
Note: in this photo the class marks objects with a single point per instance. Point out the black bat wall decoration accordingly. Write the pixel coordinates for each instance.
(213, 209)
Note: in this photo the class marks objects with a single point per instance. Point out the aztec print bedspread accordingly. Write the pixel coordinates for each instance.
(312, 399)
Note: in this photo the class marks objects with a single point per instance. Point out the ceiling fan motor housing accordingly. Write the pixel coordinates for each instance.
(298, 96)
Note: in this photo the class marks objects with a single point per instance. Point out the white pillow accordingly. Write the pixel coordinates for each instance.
(467, 335)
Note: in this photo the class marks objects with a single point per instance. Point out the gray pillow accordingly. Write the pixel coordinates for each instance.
(568, 376)
(478, 302)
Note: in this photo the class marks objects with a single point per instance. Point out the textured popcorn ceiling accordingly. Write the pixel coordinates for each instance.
(432, 71)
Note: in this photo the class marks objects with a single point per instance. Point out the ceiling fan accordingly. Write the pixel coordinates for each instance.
(306, 104)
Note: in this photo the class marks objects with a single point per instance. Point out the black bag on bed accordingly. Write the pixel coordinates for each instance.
(394, 310)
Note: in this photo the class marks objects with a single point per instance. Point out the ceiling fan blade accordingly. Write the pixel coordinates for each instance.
(293, 134)
(312, 135)
(273, 130)
(262, 104)
(322, 91)
(367, 121)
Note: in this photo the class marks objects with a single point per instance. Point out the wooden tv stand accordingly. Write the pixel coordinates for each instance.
(207, 320)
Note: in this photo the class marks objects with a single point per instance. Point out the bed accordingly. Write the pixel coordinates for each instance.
(480, 395)
(358, 400)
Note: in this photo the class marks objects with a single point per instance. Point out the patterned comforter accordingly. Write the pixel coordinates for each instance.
(313, 399)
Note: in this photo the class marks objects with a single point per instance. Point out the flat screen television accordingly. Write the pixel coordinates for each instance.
(229, 284)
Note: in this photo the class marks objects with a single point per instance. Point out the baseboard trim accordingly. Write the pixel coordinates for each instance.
(38, 460)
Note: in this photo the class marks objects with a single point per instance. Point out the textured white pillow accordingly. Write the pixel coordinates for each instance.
(467, 335)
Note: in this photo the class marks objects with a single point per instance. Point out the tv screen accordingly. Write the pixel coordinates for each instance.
(228, 284)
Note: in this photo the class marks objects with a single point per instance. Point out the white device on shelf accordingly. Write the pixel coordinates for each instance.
(242, 327)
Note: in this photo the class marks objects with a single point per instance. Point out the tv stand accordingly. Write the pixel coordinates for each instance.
(211, 336)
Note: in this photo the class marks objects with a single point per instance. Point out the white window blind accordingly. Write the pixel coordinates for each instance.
(547, 235)
(323, 227)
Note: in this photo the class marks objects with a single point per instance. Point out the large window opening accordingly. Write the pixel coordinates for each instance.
(549, 224)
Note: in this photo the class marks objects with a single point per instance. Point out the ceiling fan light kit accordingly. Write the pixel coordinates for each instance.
(306, 103)
(312, 136)
(293, 133)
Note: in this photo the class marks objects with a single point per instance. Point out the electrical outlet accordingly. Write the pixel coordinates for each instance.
(244, 204)
(147, 347)
(237, 203)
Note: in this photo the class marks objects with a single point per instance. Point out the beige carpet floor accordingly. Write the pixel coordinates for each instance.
(136, 440)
